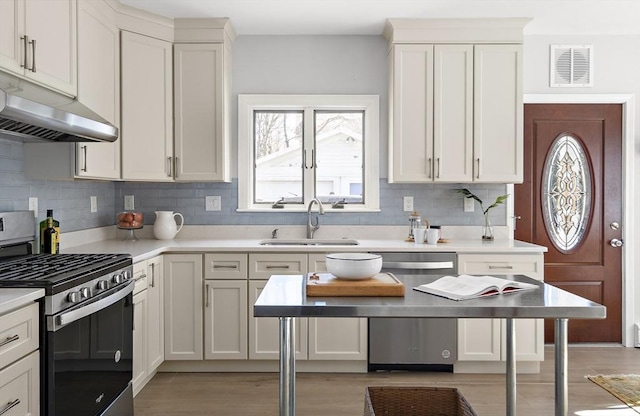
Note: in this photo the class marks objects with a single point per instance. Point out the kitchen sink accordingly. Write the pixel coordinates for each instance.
(308, 242)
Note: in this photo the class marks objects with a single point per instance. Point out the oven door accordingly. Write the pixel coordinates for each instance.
(89, 355)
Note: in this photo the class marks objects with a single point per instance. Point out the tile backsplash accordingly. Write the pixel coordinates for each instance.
(70, 200)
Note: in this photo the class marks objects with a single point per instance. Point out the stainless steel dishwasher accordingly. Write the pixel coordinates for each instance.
(416, 344)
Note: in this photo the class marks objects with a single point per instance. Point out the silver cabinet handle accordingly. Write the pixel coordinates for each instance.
(9, 340)
(438, 163)
(500, 267)
(478, 171)
(224, 266)
(153, 275)
(429, 168)
(25, 42)
(169, 174)
(33, 55)
(175, 166)
(284, 266)
(206, 295)
(84, 158)
(10, 406)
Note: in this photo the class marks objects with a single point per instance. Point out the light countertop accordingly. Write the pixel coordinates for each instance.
(147, 248)
(11, 299)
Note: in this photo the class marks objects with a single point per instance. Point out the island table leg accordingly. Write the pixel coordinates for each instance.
(561, 357)
(287, 367)
(511, 367)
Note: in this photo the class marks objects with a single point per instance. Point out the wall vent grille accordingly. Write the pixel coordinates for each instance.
(571, 66)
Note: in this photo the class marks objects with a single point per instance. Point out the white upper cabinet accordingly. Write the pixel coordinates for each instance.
(455, 100)
(99, 85)
(147, 108)
(38, 42)
(202, 142)
(498, 113)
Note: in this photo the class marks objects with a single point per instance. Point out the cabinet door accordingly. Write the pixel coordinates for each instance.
(147, 108)
(140, 318)
(20, 386)
(201, 143)
(482, 339)
(498, 113)
(155, 323)
(225, 319)
(337, 338)
(264, 333)
(99, 85)
(453, 113)
(12, 51)
(52, 26)
(183, 306)
(411, 114)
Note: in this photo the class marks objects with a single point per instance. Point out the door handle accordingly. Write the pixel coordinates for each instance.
(616, 243)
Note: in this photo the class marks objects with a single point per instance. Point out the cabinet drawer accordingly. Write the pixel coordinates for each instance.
(500, 264)
(20, 387)
(225, 266)
(263, 266)
(140, 276)
(19, 334)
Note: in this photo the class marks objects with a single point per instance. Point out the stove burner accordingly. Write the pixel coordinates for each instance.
(55, 271)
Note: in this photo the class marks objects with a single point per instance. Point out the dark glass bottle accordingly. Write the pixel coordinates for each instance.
(43, 226)
(50, 238)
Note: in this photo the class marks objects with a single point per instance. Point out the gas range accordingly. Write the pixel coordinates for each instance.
(66, 278)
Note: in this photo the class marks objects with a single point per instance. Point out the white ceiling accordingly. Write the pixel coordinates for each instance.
(367, 17)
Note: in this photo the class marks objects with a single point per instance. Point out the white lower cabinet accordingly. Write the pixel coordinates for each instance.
(183, 307)
(148, 321)
(485, 339)
(20, 362)
(225, 319)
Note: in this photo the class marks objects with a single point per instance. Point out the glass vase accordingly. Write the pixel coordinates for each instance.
(487, 229)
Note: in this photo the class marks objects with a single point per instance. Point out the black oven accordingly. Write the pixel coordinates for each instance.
(89, 356)
(86, 321)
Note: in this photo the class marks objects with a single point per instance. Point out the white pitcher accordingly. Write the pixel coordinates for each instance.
(165, 227)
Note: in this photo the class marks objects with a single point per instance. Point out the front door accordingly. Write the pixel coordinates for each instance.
(571, 202)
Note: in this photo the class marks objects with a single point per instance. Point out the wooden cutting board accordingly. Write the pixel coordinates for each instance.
(326, 284)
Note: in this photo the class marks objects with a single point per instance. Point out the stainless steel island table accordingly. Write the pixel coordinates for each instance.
(285, 297)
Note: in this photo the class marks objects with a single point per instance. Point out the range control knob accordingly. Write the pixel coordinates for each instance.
(117, 278)
(73, 297)
(84, 292)
(102, 284)
(127, 274)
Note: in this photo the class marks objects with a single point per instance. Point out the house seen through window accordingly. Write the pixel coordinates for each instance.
(295, 148)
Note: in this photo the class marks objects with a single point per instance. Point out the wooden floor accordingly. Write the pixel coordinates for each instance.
(253, 394)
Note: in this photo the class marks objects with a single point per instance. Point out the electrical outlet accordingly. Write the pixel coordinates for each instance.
(94, 203)
(468, 205)
(33, 205)
(407, 203)
(128, 203)
(213, 203)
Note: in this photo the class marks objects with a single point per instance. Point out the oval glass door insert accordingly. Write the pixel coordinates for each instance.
(566, 193)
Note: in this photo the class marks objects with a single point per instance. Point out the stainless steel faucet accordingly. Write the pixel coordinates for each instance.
(311, 227)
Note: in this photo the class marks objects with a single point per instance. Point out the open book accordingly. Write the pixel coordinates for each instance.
(469, 287)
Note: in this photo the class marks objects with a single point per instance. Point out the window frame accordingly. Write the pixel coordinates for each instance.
(248, 103)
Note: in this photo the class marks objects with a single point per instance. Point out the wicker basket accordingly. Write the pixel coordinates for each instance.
(415, 401)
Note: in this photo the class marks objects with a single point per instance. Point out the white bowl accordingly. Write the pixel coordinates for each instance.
(354, 266)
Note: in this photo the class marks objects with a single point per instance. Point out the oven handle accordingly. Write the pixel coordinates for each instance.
(417, 265)
(66, 318)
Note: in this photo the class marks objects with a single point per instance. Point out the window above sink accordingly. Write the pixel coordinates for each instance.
(292, 148)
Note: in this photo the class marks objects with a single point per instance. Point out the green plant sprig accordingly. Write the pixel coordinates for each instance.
(468, 194)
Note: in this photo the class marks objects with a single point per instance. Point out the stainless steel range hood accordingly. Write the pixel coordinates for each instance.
(29, 113)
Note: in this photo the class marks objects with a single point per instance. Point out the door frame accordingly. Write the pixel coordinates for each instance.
(631, 288)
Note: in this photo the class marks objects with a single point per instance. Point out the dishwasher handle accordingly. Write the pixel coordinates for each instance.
(418, 265)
